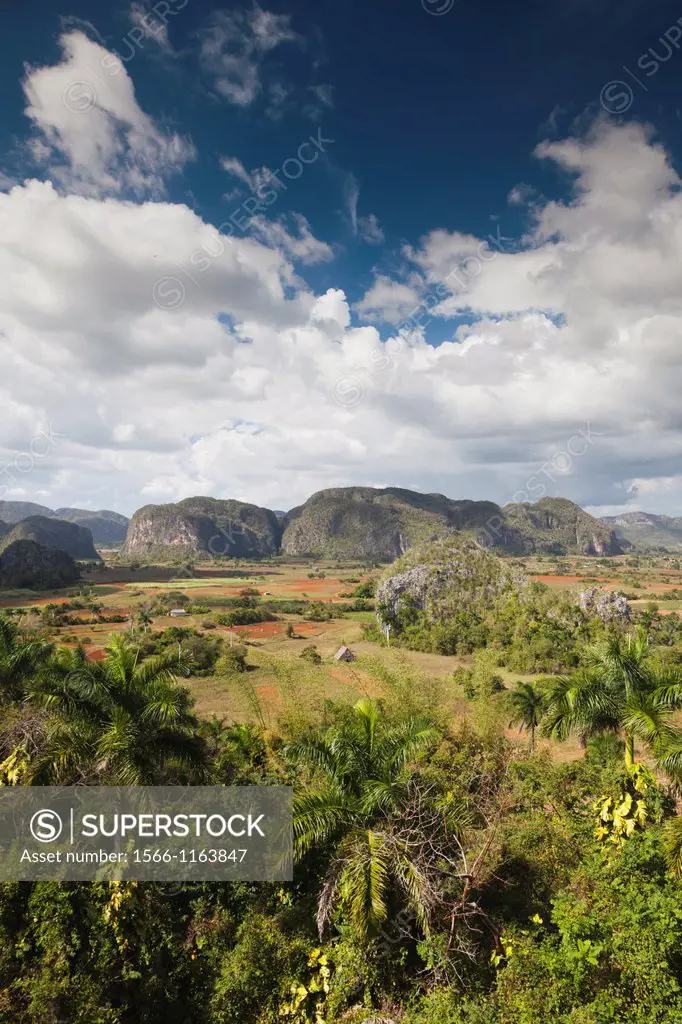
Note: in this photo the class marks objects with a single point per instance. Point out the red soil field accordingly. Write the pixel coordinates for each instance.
(310, 585)
(342, 679)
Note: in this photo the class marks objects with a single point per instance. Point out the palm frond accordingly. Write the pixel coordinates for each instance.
(318, 816)
(668, 687)
(161, 668)
(579, 703)
(318, 753)
(401, 744)
(669, 758)
(672, 845)
(649, 719)
(367, 718)
(364, 880)
(381, 795)
(413, 884)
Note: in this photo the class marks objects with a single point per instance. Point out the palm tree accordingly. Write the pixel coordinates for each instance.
(527, 706)
(362, 770)
(145, 618)
(122, 721)
(19, 659)
(621, 690)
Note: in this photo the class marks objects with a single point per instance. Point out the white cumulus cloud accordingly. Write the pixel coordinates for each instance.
(90, 130)
(169, 359)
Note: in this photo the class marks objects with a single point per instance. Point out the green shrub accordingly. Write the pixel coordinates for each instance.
(319, 612)
(245, 616)
(233, 659)
(256, 973)
(311, 654)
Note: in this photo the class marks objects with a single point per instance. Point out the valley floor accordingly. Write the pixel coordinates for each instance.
(278, 684)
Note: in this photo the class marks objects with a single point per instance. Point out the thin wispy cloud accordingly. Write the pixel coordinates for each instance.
(234, 46)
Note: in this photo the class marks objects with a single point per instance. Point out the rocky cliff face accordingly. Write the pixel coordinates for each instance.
(606, 605)
(443, 577)
(556, 526)
(27, 565)
(345, 522)
(156, 527)
(74, 540)
(364, 522)
(206, 526)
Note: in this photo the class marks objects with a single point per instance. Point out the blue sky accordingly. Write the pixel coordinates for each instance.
(326, 341)
(435, 116)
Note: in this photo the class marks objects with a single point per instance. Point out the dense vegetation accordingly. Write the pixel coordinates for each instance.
(350, 522)
(444, 875)
(453, 597)
(26, 564)
(359, 522)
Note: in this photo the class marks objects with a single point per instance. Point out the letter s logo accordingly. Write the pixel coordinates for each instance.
(46, 826)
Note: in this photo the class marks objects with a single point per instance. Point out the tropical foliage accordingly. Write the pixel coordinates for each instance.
(444, 874)
(122, 721)
(526, 705)
(363, 767)
(621, 688)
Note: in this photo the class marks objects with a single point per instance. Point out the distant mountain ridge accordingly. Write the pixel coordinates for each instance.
(108, 528)
(368, 522)
(645, 529)
(557, 526)
(12, 512)
(55, 534)
(340, 522)
(361, 522)
(357, 522)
